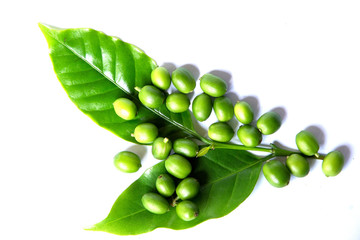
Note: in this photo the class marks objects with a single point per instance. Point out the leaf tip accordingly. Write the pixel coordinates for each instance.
(43, 26)
(46, 28)
(90, 228)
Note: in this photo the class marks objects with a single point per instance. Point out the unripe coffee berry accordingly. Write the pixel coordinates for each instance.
(188, 188)
(220, 132)
(276, 173)
(161, 148)
(178, 166)
(333, 163)
(298, 165)
(165, 185)
(185, 147)
(183, 80)
(127, 162)
(187, 210)
(223, 109)
(269, 123)
(307, 143)
(160, 77)
(243, 112)
(155, 203)
(151, 96)
(202, 107)
(145, 133)
(213, 85)
(249, 135)
(125, 108)
(177, 102)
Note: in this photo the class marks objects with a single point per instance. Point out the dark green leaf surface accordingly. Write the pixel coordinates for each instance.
(95, 69)
(227, 178)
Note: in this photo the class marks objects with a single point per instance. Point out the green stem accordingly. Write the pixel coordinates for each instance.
(272, 149)
(268, 157)
(282, 152)
(241, 147)
(174, 201)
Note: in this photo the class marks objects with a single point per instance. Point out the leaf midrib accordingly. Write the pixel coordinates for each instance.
(89, 63)
(231, 174)
(211, 184)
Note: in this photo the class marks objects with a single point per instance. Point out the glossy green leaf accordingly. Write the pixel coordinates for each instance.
(227, 178)
(95, 69)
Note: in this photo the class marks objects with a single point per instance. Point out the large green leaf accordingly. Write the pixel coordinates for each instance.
(95, 69)
(227, 178)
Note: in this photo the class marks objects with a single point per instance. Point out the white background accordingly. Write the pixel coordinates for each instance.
(301, 58)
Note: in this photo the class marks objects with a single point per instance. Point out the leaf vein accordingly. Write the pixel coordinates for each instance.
(115, 61)
(95, 94)
(125, 216)
(101, 52)
(73, 72)
(233, 190)
(208, 197)
(70, 84)
(232, 173)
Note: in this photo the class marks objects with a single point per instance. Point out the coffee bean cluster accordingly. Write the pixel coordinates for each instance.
(250, 134)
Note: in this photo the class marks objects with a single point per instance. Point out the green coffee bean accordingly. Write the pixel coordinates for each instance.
(307, 143)
(188, 188)
(127, 162)
(187, 210)
(185, 147)
(333, 163)
(213, 85)
(183, 80)
(221, 132)
(223, 108)
(202, 107)
(177, 102)
(145, 133)
(269, 123)
(160, 77)
(165, 185)
(151, 96)
(243, 112)
(298, 165)
(276, 173)
(155, 203)
(178, 166)
(161, 148)
(125, 108)
(249, 135)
